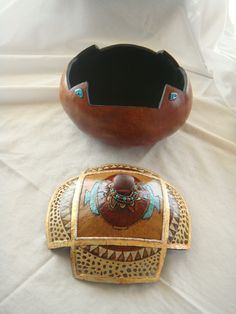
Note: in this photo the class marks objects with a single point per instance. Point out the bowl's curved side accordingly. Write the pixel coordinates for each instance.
(123, 125)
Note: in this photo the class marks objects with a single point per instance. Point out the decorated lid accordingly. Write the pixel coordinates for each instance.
(118, 216)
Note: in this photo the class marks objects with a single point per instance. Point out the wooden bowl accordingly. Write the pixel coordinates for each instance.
(126, 94)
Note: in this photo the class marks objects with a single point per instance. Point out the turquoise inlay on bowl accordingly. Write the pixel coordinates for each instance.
(79, 92)
(172, 96)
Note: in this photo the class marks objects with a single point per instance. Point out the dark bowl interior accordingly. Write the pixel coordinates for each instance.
(125, 75)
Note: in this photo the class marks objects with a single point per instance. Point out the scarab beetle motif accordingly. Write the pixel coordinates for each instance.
(122, 208)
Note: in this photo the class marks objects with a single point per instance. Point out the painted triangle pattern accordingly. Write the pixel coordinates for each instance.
(122, 256)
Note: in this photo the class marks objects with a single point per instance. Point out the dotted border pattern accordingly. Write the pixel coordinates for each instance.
(182, 237)
(56, 233)
(93, 268)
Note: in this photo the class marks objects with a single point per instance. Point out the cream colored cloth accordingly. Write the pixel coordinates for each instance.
(40, 148)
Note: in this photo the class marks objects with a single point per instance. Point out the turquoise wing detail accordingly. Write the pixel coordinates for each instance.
(87, 197)
(90, 198)
(154, 202)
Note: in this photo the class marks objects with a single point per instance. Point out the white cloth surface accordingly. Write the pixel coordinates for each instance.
(40, 148)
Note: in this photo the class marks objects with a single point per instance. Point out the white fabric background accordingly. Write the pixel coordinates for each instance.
(40, 148)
